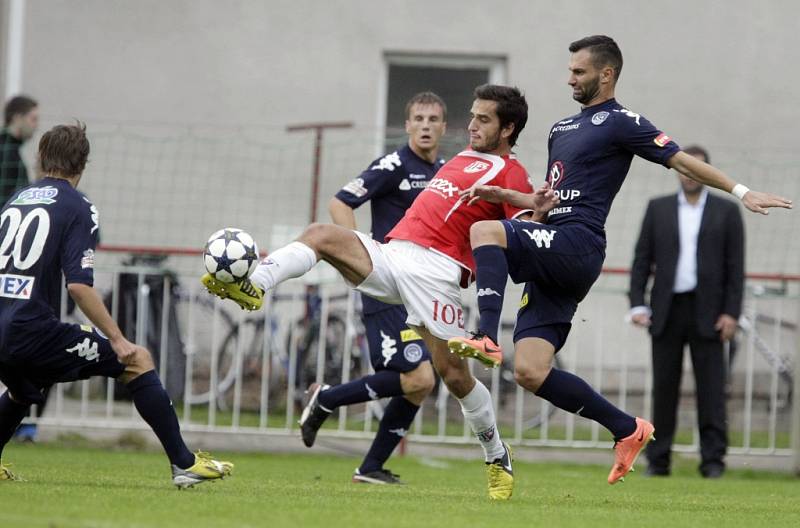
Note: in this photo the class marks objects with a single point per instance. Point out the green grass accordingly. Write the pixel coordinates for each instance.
(84, 487)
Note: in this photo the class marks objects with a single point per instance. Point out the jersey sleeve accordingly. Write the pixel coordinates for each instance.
(80, 242)
(639, 136)
(380, 178)
(518, 180)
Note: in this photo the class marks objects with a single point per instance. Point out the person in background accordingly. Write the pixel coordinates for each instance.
(692, 244)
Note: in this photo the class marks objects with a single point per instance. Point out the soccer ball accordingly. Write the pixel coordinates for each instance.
(230, 255)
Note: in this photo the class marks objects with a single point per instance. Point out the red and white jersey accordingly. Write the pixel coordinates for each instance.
(440, 221)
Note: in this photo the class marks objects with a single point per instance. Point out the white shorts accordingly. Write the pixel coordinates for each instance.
(424, 281)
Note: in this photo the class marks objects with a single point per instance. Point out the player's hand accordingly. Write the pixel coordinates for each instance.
(490, 193)
(125, 350)
(726, 326)
(545, 199)
(760, 202)
(641, 319)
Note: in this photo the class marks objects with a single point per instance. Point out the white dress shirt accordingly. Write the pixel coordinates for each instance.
(689, 217)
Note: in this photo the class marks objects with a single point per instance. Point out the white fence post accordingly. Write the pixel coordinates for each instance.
(796, 407)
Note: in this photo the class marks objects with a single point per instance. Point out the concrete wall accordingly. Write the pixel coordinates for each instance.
(715, 72)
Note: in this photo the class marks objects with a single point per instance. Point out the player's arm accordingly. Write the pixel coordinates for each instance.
(341, 213)
(90, 303)
(541, 201)
(758, 202)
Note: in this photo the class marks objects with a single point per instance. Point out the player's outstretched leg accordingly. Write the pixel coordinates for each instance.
(155, 407)
(532, 370)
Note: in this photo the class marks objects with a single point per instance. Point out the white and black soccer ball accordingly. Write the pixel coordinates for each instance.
(230, 255)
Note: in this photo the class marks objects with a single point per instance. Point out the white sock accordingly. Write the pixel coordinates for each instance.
(479, 414)
(288, 262)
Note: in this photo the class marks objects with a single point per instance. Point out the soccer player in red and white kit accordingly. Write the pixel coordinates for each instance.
(426, 258)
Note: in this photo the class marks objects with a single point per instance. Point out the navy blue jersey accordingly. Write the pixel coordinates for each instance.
(46, 229)
(391, 184)
(589, 156)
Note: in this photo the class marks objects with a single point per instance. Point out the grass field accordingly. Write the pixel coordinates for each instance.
(83, 487)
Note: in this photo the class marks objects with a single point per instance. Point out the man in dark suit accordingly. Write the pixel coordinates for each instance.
(692, 243)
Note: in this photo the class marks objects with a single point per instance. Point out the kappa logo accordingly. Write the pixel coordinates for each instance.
(482, 292)
(16, 286)
(388, 162)
(418, 176)
(476, 166)
(95, 216)
(542, 237)
(600, 117)
(37, 195)
(412, 352)
(86, 349)
(632, 115)
(399, 432)
(371, 392)
(444, 187)
(388, 347)
(662, 139)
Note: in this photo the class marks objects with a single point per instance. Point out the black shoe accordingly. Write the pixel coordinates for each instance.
(313, 414)
(712, 472)
(381, 476)
(657, 472)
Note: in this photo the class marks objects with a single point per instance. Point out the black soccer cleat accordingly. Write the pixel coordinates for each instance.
(313, 415)
(381, 476)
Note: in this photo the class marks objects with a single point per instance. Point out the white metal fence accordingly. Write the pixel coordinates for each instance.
(232, 371)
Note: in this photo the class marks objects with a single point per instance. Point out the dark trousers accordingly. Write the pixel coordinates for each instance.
(708, 363)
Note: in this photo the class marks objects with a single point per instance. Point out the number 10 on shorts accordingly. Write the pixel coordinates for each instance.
(448, 313)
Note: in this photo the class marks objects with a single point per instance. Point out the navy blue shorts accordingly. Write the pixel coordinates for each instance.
(392, 344)
(66, 352)
(558, 265)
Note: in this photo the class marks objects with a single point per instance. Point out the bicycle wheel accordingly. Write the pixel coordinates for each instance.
(202, 327)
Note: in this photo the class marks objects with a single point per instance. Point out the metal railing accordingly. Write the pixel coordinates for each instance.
(232, 371)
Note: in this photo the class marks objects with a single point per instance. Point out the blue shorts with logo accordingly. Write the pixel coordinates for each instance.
(392, 344)
(558, 265)
(58, 352)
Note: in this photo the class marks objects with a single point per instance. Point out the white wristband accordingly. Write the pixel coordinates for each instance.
(739, 190)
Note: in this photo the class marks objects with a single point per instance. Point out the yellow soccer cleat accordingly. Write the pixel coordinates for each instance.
(501, 476)
(204, 468)
(6, 474)
(244, 293)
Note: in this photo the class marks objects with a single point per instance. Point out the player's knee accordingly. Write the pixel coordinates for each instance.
(317, 236)
(530, 376)
(487, 232)
(419, 381)
(141, 362)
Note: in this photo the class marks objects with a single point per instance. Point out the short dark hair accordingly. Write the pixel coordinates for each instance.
(694, 150)
(426, 98)
(604, 50)
(18, 105)
(511, 106)
(64, 149)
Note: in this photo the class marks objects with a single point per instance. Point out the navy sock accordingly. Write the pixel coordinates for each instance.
(569, 392)
(394, 425)
(11, 415)
(383, 384)
(154, 405)
(490, 280)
